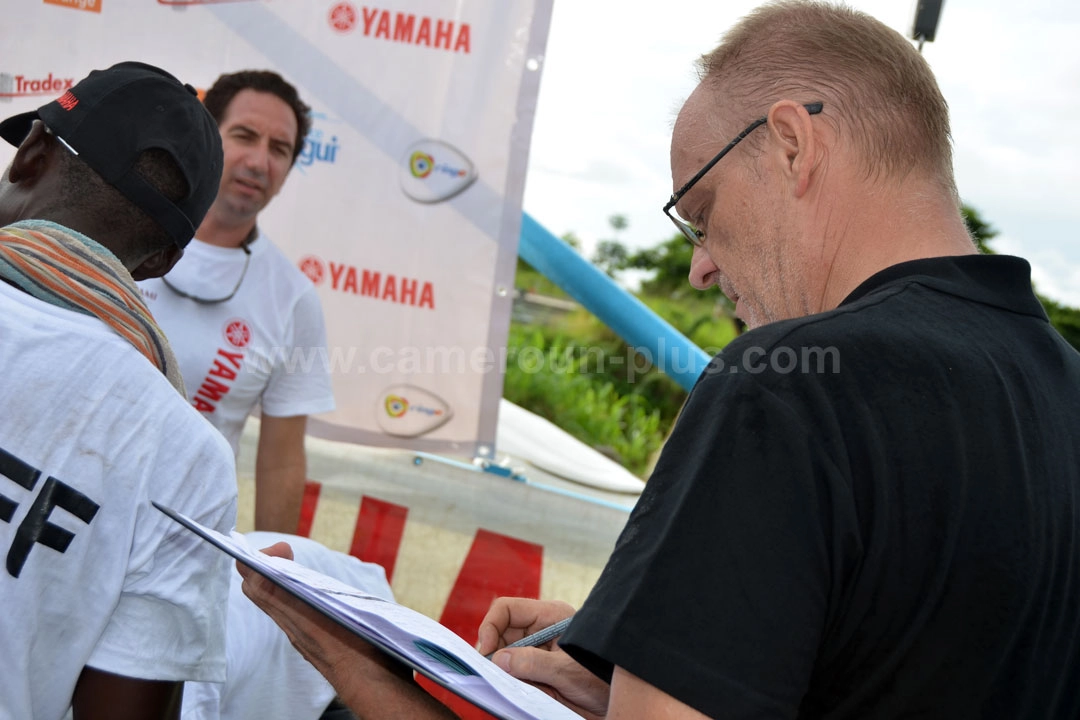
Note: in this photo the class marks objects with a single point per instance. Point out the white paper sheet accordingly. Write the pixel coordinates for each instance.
(415, 639)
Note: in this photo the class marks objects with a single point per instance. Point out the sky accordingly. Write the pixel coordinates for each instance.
(616, 72)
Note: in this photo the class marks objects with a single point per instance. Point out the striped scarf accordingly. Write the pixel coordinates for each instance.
(67, 269)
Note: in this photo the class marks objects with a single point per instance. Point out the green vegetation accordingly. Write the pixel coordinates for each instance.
(1064, 318)
(575, 372)
(557, 378)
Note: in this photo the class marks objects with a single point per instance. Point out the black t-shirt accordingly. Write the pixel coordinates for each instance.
(872, 512)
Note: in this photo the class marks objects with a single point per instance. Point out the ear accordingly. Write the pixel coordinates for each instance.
(793, 144)
(31, 160)
(158, 264)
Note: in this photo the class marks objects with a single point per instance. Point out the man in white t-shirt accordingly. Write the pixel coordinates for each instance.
(246, 324)
(267, 677)
(109, 606)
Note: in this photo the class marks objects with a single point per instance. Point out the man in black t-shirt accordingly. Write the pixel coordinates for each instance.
(880, 529)
(870, 506)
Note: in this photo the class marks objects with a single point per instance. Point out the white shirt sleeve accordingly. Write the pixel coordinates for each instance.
(169, 623)
(300, 383)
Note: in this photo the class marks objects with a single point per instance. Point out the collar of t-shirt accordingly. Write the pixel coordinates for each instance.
(999, 280)
(212, 271)
(256, 246)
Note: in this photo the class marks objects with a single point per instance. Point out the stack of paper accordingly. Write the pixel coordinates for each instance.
(415, 639)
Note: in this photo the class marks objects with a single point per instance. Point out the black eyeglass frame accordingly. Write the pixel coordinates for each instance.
(691, 233)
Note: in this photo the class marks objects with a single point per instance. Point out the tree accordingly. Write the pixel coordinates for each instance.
(669, 263)
(571, 239)
(611, 255)
(980, 230)
(1065, 319)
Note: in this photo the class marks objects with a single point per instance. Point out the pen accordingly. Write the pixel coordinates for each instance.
(539, 638)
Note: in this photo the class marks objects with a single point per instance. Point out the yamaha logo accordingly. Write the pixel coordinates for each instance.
(313, 267)
(343, 17)
(237, 333)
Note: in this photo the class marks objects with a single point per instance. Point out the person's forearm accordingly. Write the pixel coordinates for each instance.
(371, 683)
(280, 473)
(386, 695)
(279, 493)
(101, 695)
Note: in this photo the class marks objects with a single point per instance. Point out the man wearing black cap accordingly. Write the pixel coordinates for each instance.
(108, 605)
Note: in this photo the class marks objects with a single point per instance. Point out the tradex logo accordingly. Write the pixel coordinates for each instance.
(28, 85)
(433, 171)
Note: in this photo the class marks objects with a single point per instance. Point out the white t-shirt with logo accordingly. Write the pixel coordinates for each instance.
(267, 677)
(91, 432)
(265, 345)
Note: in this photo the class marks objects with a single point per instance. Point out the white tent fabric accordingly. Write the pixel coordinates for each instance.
(527, 436)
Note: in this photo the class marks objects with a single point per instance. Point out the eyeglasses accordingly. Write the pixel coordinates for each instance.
(215, 301)
(695, 236)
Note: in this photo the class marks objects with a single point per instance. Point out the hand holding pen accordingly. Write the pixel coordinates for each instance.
(540, 637)
(509, 620)
(519, 635)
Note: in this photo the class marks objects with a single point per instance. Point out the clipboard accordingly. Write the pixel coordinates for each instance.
(409, 637)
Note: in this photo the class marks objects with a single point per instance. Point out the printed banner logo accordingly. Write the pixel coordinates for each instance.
(396, 406)
(237, 333)
(343, 17)
(88, 5)
(313, 267)
(447, 34)
(420, 164)
(409, 411)
(433, 171)
(26, 86)
(319, 145)
(374, 284)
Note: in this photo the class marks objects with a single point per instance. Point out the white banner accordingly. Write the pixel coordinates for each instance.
(404, 208)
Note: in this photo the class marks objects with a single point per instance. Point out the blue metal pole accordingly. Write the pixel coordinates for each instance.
(671, 351)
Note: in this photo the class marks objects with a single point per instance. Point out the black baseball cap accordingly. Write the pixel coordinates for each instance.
(113, 115)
